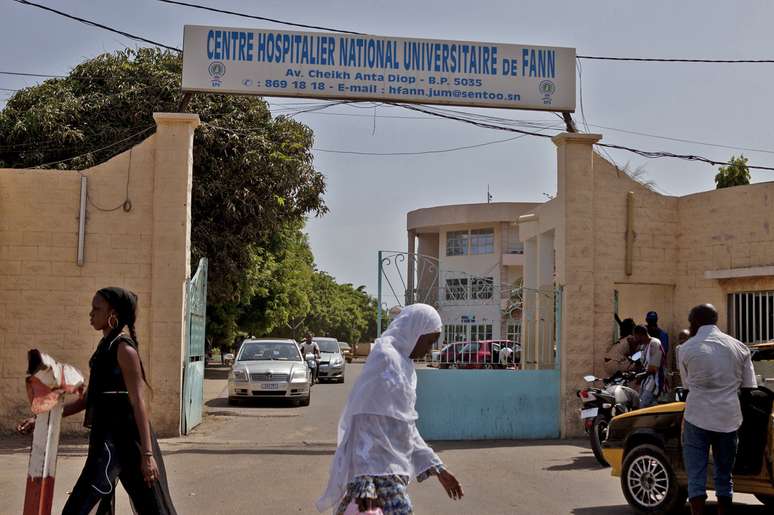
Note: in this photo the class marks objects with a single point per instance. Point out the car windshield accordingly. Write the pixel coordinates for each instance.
(328, 346)
(269, 351)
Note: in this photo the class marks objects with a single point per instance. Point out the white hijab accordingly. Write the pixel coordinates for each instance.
(386, 386)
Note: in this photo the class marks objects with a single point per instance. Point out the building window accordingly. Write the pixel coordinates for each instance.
(455, 333)
(456, 289)
(751, 316)
(480, 332)
(482, 241)
(456, 243)
(481, 288)
(513, 331)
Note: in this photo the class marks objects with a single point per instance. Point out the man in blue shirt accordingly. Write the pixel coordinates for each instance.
(656, 332)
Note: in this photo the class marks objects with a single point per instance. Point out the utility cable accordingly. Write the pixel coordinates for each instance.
(594, 57)
(98, 149)
(642, 153)
(675, 60)
(99, 25)
(420, 153)
(262, 18)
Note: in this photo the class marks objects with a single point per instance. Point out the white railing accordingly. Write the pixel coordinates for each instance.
(487, 354)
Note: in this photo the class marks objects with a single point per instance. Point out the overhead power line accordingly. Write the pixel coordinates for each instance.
(254, 17)
(642, 153)
(32, 74)
(419, 153)
(99, 25)
(99, 149)
(675, 60)
(593, 57)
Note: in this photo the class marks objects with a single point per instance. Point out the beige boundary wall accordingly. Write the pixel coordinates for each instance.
(45, 297)
(686, 251)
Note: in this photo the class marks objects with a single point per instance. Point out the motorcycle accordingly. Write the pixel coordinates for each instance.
(600, 405)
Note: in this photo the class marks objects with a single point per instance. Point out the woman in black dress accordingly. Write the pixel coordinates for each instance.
(122, 444)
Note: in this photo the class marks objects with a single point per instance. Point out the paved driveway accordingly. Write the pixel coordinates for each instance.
(273, 459)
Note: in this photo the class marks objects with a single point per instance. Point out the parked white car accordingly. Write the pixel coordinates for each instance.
(270, 368)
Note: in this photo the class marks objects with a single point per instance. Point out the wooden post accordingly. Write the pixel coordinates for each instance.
(42, 468)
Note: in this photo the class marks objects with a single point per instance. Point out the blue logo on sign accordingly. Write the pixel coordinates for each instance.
(547, 88)
(217, 71)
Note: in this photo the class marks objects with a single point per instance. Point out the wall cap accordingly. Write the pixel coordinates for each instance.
(184, 118)
(733, 273)
(523, 219)
(575, 137)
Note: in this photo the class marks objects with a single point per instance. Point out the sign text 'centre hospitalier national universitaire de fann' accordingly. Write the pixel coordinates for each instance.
(377, 68)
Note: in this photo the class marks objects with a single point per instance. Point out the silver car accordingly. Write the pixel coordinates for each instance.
(332, 364)
(270, 368)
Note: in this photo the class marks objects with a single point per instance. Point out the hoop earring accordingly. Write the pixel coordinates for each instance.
(112, 321)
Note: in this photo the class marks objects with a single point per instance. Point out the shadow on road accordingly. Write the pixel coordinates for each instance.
(625, 509)
(584, 462)
(454, 445)
(216, 372)
(258, 452)
(222, 402)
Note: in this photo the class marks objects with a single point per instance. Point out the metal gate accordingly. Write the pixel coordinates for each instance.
(193, 367)
(466, 390)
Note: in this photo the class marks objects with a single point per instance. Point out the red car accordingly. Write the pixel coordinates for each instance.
(449, 355)
(483, 354)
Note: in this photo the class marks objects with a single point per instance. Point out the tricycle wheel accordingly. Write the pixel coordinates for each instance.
(767, 500)
(649, 483)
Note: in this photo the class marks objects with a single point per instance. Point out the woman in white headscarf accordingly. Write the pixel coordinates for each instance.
(379, 447)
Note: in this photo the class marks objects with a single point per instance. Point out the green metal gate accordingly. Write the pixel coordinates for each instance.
(193, 366)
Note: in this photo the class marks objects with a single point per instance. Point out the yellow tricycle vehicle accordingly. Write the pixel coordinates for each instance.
(644, 448)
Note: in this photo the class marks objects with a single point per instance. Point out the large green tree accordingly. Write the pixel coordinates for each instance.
(254, 181)
(253, 186)
(736, 173)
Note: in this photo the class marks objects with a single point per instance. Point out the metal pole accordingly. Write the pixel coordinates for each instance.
(379, 298)
(82, 222)
(39, 495)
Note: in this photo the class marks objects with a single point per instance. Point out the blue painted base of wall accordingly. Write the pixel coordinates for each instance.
(488, 404)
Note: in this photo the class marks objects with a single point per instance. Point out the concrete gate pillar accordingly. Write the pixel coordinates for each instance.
(171, 263)
(575, 268)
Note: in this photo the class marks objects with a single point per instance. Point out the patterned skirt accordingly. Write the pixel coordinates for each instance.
(389, 492)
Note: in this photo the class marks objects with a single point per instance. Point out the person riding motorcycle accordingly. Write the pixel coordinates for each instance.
(618, 357)
(310, 347)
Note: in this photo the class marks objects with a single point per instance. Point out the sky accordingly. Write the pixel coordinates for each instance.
(369, 196)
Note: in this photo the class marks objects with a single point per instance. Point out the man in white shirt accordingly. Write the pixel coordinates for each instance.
(654, 361)
(310, 347)
(714, 367)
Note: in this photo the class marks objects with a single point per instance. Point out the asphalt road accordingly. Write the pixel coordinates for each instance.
(273, 459)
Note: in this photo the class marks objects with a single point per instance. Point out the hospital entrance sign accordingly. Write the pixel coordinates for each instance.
(376, 68)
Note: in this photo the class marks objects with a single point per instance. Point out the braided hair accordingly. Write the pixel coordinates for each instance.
(124, 302)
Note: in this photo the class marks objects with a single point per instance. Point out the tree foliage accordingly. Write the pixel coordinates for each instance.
(254, 184)
(736, 173)
(249, 180)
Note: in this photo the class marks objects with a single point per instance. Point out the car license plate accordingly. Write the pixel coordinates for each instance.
(589, 413)
(270, 386)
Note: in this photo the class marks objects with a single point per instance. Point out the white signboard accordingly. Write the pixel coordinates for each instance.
(375, 68)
